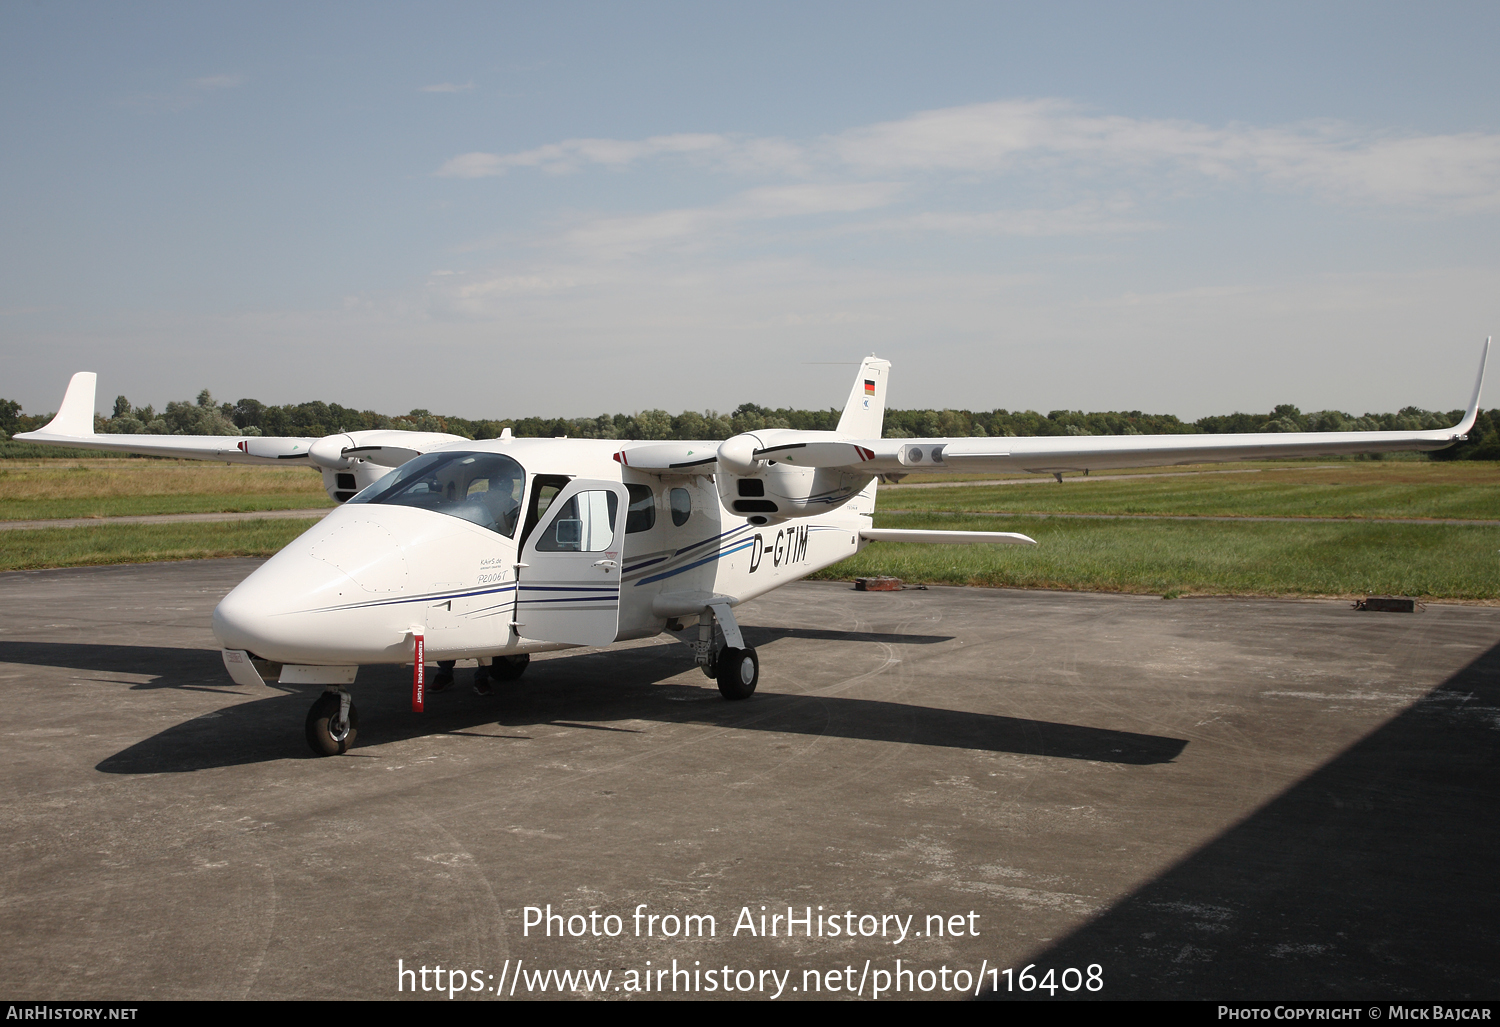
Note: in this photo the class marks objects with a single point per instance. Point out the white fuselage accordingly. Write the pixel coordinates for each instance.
(357, 587)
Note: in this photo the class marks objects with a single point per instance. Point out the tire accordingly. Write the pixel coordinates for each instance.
(508, 668)
(739, 672)
(319, 738)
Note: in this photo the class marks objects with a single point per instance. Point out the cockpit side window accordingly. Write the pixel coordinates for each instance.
(544, 489)
(484, 488)
(641, 514)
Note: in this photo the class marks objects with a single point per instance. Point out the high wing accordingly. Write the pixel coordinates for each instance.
(366, 455)
(892, 458)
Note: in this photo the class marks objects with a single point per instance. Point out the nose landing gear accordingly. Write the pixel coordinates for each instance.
(332, 723)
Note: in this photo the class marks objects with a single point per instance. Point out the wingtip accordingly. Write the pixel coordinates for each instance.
(75, 416)
(1472, 413)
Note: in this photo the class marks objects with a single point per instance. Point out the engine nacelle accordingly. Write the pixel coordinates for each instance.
(351, 460)
(342, 485)
(737, 455)
(765, 490)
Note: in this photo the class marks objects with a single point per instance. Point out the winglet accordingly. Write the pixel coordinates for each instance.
(1472, 414)
(76, 415)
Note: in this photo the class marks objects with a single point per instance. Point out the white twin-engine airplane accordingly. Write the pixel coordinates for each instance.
(446, 548)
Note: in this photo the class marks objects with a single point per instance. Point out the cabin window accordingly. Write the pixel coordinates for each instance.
(682, 506)
(584, 524)
(641, 515)
(484, 488)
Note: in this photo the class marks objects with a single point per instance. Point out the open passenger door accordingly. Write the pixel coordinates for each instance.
(568, 584)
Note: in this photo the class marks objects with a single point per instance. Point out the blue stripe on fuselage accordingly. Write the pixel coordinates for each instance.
(698, 563)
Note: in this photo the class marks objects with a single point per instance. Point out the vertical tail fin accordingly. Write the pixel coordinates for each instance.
(864, 414)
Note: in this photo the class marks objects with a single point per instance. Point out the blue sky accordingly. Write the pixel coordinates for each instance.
(500, 210)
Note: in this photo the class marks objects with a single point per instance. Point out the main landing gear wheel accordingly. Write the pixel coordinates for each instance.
(739, 671)
(327, 733)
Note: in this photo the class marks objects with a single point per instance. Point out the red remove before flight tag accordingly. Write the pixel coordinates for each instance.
(418, 675)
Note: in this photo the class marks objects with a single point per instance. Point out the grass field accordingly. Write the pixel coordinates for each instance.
(1356, 556)
(33, 490)
(1357, 488)
(10, 449)
(1468, 490)
(144, 543)
(1348, 557)
(1199, 557)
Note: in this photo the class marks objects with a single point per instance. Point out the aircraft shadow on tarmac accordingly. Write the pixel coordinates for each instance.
(1371, 878)
(190, 668)
(585, 690)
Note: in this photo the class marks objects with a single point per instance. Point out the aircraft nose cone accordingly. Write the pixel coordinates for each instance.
(364, 551)
(331, 596)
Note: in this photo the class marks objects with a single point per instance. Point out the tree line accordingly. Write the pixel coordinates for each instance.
(204, 416)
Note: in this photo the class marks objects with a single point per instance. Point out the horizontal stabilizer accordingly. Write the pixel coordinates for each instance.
(946, 537)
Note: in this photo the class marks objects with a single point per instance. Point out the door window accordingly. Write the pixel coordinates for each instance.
(583, 524)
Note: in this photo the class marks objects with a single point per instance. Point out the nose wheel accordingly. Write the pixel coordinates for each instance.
(332, 723)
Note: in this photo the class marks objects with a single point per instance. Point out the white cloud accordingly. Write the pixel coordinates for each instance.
(814, 249)
(616, 237)
(572, 154)
(1078, 219)
(824, 198)
(480, 295)
(995, 139)
(1334, 159)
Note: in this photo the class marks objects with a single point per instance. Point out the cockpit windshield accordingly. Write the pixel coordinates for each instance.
(481, 487)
